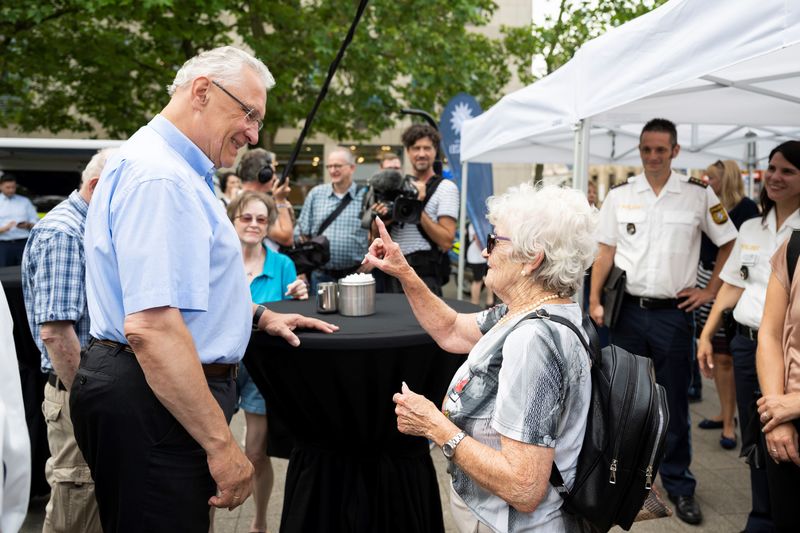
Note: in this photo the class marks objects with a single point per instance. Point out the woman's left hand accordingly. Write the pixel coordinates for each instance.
(782, 444)
(416, 415)
(775, 409)
(297, 290)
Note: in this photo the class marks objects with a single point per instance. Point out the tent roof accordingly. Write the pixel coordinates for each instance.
(712, 63)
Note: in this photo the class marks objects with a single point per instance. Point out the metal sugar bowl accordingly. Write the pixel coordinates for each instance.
(357, 295)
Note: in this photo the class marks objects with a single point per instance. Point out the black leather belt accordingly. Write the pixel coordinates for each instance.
(211, 370)
(652, 303)
(53, 380)
(747, 331)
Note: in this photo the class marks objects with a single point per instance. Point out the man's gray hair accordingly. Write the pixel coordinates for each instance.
(347, 154)
(225, 63)
(556, 221)
(96, 164)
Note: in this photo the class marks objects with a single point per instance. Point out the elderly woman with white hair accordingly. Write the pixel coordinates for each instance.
(521, 399)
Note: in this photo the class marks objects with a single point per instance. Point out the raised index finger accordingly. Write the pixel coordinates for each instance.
(382, 231)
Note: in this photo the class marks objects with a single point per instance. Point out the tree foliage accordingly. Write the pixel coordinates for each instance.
(576, 22)
(80, 65)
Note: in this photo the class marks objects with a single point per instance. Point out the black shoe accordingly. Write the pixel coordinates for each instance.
(707, 423)
(687, 509)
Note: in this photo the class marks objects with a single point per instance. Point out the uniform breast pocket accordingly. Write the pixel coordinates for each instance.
(632, 223)
(679, 228)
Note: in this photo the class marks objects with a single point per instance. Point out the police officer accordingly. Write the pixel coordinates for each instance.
(650, 228)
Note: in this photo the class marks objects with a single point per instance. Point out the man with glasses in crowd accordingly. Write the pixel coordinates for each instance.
(170, 308)
(348, 240)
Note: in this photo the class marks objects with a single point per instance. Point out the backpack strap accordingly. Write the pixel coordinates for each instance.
(592, 348)
(792, 253)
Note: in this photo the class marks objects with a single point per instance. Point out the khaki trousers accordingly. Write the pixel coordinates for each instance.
(464, 519)
(72, 507)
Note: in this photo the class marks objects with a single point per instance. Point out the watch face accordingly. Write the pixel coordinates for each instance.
(447, 450)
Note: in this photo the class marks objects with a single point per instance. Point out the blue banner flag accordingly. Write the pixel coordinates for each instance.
(460, 108)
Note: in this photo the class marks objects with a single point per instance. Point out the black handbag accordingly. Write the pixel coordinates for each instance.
(613, 293)
(310, 254)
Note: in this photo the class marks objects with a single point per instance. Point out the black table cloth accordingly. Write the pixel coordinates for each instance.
(31, 377)
(351, 470)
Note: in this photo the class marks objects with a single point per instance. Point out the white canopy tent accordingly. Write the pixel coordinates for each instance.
(721, 68)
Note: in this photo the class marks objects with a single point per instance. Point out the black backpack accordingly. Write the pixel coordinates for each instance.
(625, 433)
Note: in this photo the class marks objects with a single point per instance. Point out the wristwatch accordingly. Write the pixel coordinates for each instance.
(449, 447)
(257, 316)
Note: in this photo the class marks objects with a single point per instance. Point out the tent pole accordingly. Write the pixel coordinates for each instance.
(580, 171)
(462, 230)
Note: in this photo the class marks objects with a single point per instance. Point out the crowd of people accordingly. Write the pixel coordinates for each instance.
(142, 289)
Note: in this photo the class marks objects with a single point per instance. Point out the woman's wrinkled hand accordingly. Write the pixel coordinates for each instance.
(297, 290)
(416, 415)
(385, 254)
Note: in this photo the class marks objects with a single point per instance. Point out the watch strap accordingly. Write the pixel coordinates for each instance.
(450, 445)
(257, 315)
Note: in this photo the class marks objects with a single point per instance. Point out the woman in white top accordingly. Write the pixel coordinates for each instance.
(745, 277)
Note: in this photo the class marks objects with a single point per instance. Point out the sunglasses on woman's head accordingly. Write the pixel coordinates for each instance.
(491, 241)
(247, 218)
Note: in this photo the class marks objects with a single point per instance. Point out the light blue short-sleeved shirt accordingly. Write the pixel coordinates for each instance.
(16, 209)
(156, 236)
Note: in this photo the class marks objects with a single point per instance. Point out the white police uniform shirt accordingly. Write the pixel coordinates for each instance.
(657, 238)
(748, 267)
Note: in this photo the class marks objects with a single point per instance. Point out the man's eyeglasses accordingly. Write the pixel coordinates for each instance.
(247, 218)
(334, 167)
(491, 241)
(250, 114)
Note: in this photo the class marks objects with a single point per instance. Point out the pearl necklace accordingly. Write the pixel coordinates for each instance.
(527, 309)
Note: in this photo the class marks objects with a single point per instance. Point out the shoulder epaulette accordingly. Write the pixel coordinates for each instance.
(696, 181)
(620, 184)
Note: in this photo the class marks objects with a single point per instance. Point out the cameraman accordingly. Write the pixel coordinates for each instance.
(438, 220)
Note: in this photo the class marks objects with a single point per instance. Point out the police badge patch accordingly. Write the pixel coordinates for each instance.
(718, 214)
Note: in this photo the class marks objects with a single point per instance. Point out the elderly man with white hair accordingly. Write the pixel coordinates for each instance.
(520, 400)
(54, 287)
(170, 308)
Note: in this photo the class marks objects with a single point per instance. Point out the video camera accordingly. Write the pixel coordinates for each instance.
(397, 193)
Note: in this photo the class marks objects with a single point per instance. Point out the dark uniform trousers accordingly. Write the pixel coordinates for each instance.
(150, 474)
(667, 337)
(747, 389)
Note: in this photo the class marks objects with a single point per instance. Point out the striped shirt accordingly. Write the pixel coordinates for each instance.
(348, 240)
(53, 267)
(443, 203)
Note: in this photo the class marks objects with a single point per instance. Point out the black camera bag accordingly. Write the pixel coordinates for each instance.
(441, 260)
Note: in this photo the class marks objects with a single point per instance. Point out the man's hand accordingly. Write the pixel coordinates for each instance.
(695, 298)
(422, 188)
(705, 357)
(385, 254)
(596, 311)
(283, 325)
(297, 290)
(281, 192)
(8, 226)
(380, 209)
(775, 409)
(25, 225)
(233, 474)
